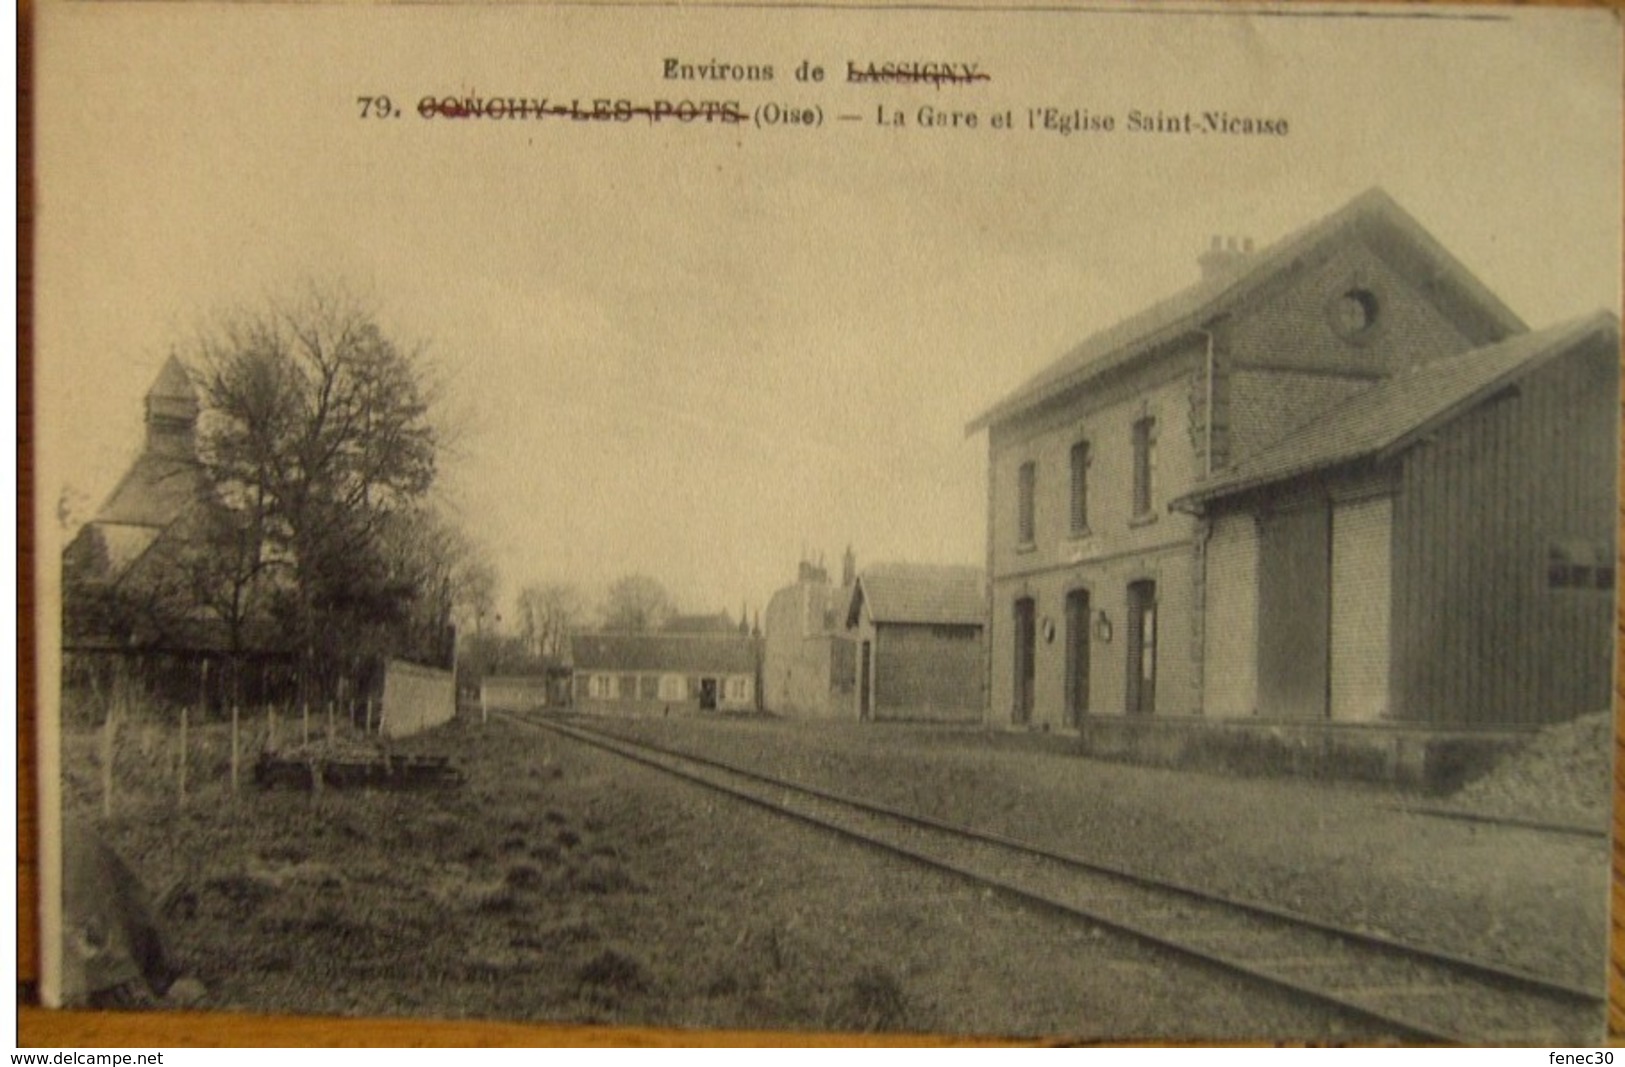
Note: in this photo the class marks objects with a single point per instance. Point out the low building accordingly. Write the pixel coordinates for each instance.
(658, 672)
(808, 662)
(916, 633)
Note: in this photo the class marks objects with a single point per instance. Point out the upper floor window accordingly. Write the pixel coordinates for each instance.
(1355, 313)
(1080, 488)
(1026, 490)
(1145, 465)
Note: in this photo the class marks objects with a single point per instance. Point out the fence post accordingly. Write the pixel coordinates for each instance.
(234, 748)
(181, 774)
(307, 721)
(109, 729)
(270, 727)
(330, 714)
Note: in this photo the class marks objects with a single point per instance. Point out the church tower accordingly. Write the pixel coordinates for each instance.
(172, 411)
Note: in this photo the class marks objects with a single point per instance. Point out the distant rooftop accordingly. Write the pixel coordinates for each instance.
(921, 593)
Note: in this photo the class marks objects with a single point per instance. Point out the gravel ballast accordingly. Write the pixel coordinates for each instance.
(1346, 853)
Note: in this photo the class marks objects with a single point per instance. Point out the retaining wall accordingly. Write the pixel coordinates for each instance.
(415, 698)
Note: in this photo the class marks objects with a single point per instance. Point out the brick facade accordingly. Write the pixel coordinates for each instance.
(1183, 603)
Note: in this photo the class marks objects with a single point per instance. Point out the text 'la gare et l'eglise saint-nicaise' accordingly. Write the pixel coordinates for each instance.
(956, 72)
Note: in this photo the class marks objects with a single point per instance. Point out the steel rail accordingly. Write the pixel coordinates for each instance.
(1508, 821)
(1431, 953)
(1292, 922)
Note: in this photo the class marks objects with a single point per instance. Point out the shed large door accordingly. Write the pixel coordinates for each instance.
(1361, 608)
(1230, 630)
(1294, 613)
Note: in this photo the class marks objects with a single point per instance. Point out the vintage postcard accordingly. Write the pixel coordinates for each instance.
(1077, 522)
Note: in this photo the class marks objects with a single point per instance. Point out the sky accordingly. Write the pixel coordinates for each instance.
(706, 351)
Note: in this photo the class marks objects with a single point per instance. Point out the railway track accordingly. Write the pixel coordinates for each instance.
(1409, 991)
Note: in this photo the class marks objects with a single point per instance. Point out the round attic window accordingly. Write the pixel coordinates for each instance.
(1355, 313)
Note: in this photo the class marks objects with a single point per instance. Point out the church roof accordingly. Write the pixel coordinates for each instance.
(172, 383)
(155, 491)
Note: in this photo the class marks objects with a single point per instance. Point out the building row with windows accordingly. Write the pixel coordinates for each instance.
(1337, 481)
(662, 671)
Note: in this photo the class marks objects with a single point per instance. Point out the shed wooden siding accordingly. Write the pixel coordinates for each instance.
(1230, 663)
(928, 673)
(1362, 594)
(1479, 637)
(1294, 612)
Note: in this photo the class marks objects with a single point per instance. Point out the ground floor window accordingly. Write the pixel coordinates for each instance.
(1077, 656)
(627, 689)
(1026, 614)
(738, 690)
(673, 687)
(1142, 648)
(601, 686)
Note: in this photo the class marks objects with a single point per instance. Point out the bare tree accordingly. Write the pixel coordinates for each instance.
(637, 602)
(547, 614)
(447, 572)
(474, 593)
(316, 433)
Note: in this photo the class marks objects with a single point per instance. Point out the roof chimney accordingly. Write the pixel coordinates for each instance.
(1223, 255)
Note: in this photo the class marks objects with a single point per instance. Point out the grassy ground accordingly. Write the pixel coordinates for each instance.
(559, 883)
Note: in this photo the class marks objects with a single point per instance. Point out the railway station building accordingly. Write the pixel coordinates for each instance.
(1334, 501)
